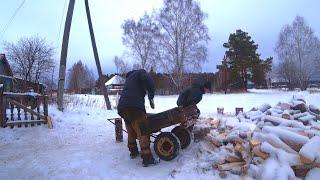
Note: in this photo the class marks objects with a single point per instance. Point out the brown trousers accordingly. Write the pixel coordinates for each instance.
(136, 125)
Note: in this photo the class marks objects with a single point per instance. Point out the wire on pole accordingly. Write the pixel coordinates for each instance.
(11, 19)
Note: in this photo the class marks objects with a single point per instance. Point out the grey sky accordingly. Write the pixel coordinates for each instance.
(263, 19)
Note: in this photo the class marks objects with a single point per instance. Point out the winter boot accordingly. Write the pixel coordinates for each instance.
(148, 160)
(133, 152)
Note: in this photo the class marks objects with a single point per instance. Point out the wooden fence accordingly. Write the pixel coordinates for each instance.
(23, 109)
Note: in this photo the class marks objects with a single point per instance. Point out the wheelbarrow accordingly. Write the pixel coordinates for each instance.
(168, 144)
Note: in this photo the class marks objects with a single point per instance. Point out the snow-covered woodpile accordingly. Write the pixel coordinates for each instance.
(266, 142)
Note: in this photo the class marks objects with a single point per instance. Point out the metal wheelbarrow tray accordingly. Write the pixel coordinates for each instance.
(168, 144)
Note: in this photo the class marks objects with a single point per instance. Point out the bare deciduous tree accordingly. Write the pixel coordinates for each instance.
(298, 51)
(183, 40)
(121, 66)
(139, 37)
(31, 58)
(80, 77)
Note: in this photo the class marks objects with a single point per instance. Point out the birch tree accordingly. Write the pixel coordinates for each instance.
(139, 37)
(298, 50)
(184, 37)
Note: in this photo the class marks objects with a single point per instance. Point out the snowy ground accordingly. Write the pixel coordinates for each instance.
(82, 144)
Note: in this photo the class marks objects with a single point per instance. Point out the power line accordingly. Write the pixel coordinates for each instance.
(11, 19)
(61, 20)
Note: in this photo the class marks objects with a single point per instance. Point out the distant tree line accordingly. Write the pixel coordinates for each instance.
(80, 78)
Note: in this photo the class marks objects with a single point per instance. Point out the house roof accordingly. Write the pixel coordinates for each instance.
(115, 80)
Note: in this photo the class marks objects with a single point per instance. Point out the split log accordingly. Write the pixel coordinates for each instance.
(293, 124)
(215, 123)
(254, 143)
(315, 125)
(283, 122)
(306, 119)
(257, 151)
(257, 160)
(233, 158)
(310, 151)
(293, 112)
(247, 155)
(299, 115)
(276, 110)
(230, 166)
(314, 109)
(286, 115)
(200, 132)
(215, 141)
(302, 170)
(264, 107)
(274, 120)
(251, 114)
(294, 140)
(222, 174)
(235, 140)
(285, 106)
(239, 148)
(275, 141)
(257, 117)
(305, 160)
(301, 107)
(218, 162)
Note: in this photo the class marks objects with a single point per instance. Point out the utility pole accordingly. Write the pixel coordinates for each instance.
(96, 57)
(64, 52)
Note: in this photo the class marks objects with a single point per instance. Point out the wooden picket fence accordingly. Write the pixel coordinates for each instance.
(23, 109)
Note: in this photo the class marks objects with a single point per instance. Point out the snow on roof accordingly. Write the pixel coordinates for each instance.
(115, 80)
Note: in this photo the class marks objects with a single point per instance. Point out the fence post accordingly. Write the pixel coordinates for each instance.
(118, 129)
(238, 110)
(220, 110)
(45, 105)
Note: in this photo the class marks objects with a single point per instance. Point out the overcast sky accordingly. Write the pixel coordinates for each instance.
(262, 19)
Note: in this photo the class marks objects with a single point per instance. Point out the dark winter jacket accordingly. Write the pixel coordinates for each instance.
(191, 95)
(137, 84)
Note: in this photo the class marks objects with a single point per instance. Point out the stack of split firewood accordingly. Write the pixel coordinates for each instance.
(287, 133)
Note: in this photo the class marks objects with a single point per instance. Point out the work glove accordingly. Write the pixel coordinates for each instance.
(151, 103)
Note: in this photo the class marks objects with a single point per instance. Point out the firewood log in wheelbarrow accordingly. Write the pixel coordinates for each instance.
(168, 144)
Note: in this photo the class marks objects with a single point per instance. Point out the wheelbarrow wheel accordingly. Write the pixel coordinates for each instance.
(167, 146)
(184, 135)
